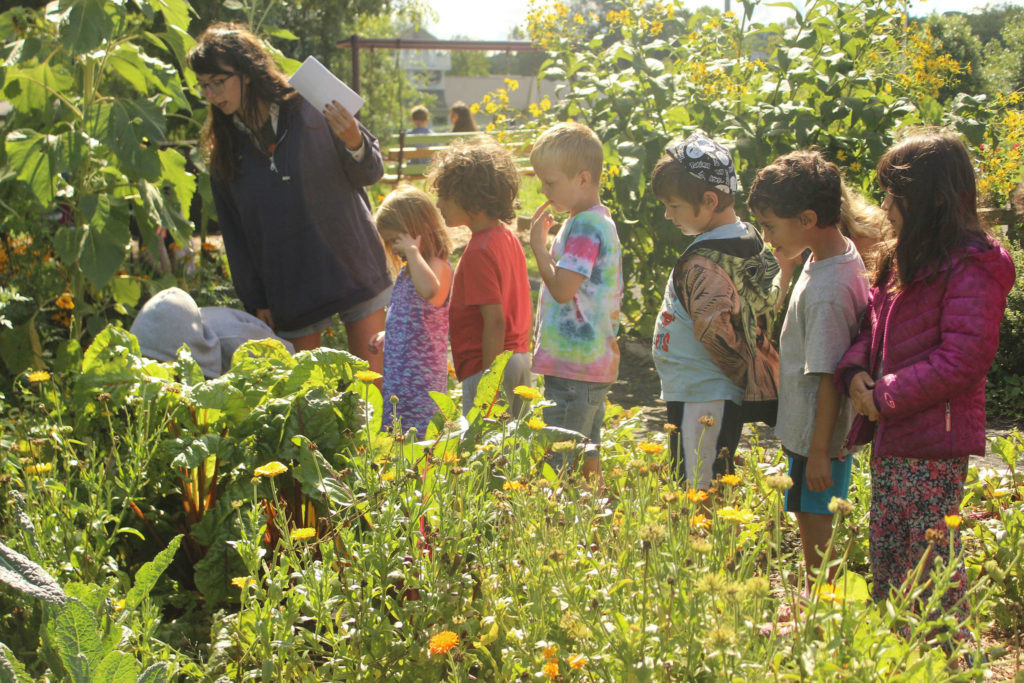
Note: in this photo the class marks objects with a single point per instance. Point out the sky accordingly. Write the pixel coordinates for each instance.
(484, 20)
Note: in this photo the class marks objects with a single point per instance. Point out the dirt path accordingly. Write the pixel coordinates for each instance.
(638, 385)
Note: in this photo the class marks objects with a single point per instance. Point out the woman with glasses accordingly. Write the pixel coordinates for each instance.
(288, 186)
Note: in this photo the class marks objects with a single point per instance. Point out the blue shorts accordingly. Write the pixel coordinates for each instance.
(802, 499)
(579, 406)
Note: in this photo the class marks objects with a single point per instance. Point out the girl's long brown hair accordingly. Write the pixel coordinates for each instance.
(931, 180)
(225, 48)
(408, 209)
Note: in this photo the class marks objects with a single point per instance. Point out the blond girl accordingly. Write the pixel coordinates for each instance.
(415, 337)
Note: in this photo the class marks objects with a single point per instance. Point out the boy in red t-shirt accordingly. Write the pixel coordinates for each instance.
(477, 184)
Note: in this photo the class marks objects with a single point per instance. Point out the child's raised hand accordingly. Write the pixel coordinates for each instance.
(377, 343)
(540, 226)
(862, 395)
(403, 243)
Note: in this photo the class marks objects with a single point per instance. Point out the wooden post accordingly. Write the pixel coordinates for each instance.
(355, 62)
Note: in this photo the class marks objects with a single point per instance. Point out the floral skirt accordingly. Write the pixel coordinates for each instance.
(909, 497)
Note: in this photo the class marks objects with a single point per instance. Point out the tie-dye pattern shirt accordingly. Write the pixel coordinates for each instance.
(576, 340)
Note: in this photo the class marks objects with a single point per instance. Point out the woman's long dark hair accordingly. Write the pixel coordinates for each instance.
(464, 122)
(232, 48)
(931, 180)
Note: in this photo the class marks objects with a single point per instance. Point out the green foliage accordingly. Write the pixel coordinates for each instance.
(840, 78)
(344, 557)
(92, 85)
(1005, 389)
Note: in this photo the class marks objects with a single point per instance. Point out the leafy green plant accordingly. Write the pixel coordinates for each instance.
(92, 86)
(841, 76)
(84, 641)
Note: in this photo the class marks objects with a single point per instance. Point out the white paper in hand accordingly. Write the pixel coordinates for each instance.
(319, 86)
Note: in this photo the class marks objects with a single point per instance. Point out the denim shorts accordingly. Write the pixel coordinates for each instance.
(349, 315)
(517, 372)
(579, 406)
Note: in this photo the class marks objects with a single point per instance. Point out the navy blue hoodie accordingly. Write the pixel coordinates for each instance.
(297, 225)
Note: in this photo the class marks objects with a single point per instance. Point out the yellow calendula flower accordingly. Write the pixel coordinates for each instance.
(953, 521)
(551, 669)
(529, 393)
(650, 447)
(855, 167)
(830, 593)
(119, 605)
(474, 108)
(536, 423)
(577, 661)
(733, 514)
(303, 533)
(37, 376)
(387, 476)
(443, 642)
(696, 496)
(545, 104)
(699, 521)
(368, 375)
(731, 479)
(243, 582)
(271, 469)
(41, 468)
(66, 302)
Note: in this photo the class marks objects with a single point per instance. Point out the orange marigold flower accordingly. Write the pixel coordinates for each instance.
(699, 521)
(66, 302)
(550, 651)
(551, 669)
(696, 496)
(443, 642)
(515, 486)
(577, 661)
(650, 447)
(731, 479)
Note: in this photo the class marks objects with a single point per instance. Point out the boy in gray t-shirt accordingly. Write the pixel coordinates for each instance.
(797, 200)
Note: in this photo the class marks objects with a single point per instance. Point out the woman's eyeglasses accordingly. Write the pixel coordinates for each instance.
(213, 86)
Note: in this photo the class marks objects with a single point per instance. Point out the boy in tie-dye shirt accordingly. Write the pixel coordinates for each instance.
(578, 312)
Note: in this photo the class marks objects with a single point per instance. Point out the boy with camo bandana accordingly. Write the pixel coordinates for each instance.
(711, 348)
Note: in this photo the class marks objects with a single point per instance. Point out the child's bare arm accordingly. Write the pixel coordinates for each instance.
(431, 280)
(826, 414)
(561, 283)
(493, 341)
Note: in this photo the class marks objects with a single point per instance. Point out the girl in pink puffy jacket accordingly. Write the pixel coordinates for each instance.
(916, 373)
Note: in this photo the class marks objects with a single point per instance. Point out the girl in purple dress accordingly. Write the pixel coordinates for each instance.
(415, 336)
